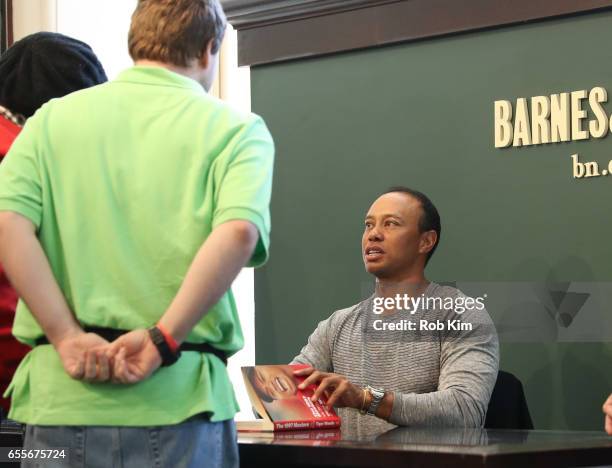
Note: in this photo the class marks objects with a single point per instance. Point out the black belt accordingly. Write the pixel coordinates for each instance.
(111, 334)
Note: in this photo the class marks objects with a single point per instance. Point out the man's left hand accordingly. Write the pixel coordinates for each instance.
(339, 390)
(134, 356)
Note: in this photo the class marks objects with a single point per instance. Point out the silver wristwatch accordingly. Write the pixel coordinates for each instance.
(377, 397)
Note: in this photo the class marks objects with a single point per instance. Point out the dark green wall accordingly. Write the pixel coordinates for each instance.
(421, 114)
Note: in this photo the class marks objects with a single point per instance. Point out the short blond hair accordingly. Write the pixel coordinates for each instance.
(175, 31)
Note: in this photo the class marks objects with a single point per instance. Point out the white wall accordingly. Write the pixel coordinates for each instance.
(103, 25)
(234, 87)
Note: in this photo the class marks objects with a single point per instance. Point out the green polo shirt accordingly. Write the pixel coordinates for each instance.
(124, 182)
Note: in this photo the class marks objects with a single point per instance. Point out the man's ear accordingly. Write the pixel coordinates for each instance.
(205, 59)
(428, 241)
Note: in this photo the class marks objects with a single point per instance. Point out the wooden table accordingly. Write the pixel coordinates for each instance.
(427, 447)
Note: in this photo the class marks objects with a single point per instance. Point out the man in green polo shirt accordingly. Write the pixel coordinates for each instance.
(132, 206)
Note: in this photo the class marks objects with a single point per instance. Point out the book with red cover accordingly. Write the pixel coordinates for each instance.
(279, 403)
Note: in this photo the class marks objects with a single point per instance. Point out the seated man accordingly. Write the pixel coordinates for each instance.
(381, 356)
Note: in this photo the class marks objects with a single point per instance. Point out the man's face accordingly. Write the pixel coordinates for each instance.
(391, 243)
(275, 381)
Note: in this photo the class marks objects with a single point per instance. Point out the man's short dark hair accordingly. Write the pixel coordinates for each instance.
(175, 31)
(430, 218)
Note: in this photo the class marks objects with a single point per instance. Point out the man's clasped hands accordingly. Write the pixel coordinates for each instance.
(129, 359)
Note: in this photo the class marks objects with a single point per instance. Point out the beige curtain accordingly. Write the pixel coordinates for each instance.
(30, 16)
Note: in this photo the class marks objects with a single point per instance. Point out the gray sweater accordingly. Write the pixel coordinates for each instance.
(440, 378)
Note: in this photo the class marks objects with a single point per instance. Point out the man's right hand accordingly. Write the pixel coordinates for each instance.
(134, 357)
(83, 356)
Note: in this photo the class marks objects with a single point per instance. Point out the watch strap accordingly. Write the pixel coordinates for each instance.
(377, 397)
(168, 357)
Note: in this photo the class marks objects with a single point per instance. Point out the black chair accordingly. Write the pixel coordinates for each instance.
(508, 406)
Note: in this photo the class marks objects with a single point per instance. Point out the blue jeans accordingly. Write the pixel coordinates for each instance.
(193, 443)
